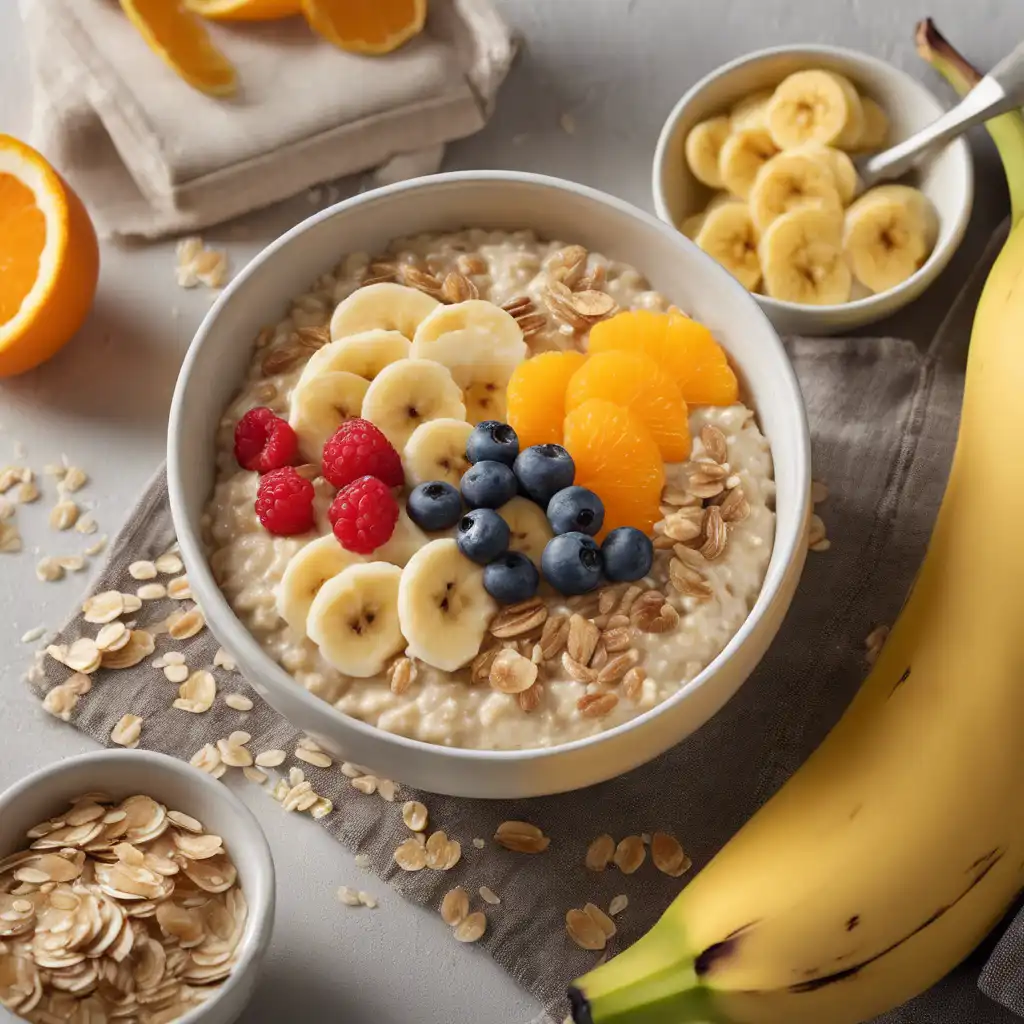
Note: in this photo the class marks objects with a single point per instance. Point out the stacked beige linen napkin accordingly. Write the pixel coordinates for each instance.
(150, 155)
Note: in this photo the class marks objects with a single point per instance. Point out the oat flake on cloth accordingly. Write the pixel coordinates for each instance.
(883, 418)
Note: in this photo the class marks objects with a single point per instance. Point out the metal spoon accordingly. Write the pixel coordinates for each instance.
(1001, 90)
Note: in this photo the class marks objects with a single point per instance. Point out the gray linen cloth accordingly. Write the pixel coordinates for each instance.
(883, 417)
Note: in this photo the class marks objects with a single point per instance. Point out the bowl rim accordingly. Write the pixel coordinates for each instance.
(225, 623)
(880, 303)
(260, 921)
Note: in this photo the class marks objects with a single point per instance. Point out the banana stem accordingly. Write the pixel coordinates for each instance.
(1007, 130)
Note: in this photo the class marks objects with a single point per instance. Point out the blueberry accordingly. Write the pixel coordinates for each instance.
(627, 553)
(543, 470)
(572, 563)
(492, 441)
(576, 509)
(511, 578)
(434, 506)
(483, 535)
(488, 484)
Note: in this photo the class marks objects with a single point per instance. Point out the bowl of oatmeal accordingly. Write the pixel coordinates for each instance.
(490, 482)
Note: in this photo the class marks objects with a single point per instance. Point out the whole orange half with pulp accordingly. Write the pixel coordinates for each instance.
(366, 26)
(685, 349)
(49, 259)
(244, 10)
(180, 39)
(636, 381)
(536, 396)
(617, 458)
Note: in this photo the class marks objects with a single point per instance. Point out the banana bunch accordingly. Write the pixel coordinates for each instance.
(900, 843)
(785, 219)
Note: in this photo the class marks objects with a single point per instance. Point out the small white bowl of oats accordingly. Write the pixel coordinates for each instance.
(130, 883)
(319, 463)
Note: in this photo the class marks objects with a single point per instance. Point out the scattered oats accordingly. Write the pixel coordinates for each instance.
(62, 699)
(472, 928)
(488, 895)
(387, 789)
(401, 675)
(715, 443)
(601, 919)
(321, 808)
(33, 634)
(521, 837)
(362, 861)
(64, 515)
(9, 477)
(411, 856)
(822, 545)
(197, 693)
(618, 904)
(442, 853)
(97, 548)
(28, 493)
(185, 821)
(83, 656)
(182, 625)
(10, 538)
(519, 619)
(180, 589)
(132, 603)
(367, 900)
(479, 843)
(254, 775)
(151, 592)
(176, 673)
(597, 705)
(7, 509)
(317, 758)
(233, 752)
(113, 636)
(600, 853)
(819, 492)
(172, 658)
(271, 758)
(353, 771)
(815, 532)
(239, 702)
(455, 906)
(224, 660)
(630, 854)
(48, 570)
(349, 897)
(55, 470)
(142, 570)
(668, 855)
(71, 563)
(584, 930)
(874, 642)
(414, 814)
(104, 607)
(140, 646)
(74, 480)
(365, 784)
(127, 731)
(168, 565)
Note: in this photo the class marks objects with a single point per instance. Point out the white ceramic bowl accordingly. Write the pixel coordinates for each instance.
(556, 209)
(181, 787)
(947, 177)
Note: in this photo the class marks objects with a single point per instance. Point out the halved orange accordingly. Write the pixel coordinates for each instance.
(366, 26)
(49, 259)
(180, 39)
(244, 10)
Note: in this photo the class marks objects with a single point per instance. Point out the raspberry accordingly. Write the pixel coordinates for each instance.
(264, 441)
(357, 449)
(364, 515)
(284, 502)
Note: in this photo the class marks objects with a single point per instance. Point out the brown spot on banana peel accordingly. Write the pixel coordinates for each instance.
(853, 922)
(719, 951)
(902, 679)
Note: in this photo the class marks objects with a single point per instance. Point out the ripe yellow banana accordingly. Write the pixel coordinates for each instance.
(900, 843)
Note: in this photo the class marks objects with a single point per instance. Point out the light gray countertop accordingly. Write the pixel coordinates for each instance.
(615, 67)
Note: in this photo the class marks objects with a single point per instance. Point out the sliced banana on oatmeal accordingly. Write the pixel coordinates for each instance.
(815, 106)
(529, 527)
(306, 573)
(385, 306)
(404, 542)
(889, 234)
(437, 451)
(410, 392)
(321, 404)
(364, 354)
(703, 145)
(802, 258)
(728, 235)
(443, 609)
(354, 619)
(690, 226)
(791, 180)
(743, 154)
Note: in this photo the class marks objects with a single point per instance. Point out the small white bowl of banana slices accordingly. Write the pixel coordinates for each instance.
(757, 165)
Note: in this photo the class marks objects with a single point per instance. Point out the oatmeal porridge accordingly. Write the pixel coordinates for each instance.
(465, 496)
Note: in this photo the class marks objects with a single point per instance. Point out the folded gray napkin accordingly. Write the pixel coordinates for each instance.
(883, 417)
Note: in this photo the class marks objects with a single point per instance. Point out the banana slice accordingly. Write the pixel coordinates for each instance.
(529, 527)
(690, 226)
(390, 307)
(410, 392)
(802, 258)
(728, 235)
(443, 608)
(703, 146)
(437, 451)
(788, 181)
(306, 572)
(751, 111)
(876, 125)
(354, 619)
(743, 154)
(320, 405)
(839, 163)
(406, 540)
(815, 106)
(890, 232)
(364, 354)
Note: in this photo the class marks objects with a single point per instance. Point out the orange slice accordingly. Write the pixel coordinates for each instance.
(49, 259)
(684, 348)
(180, 39)
(636, 381)
(366, 26)
(536, 396)
(244, 10)
(617, 458)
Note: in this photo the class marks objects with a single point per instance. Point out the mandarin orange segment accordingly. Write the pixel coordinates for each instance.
(536, 396)
(618, 459)
(366, 26)
(636, 381)
(244, 10)
(684, 348)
